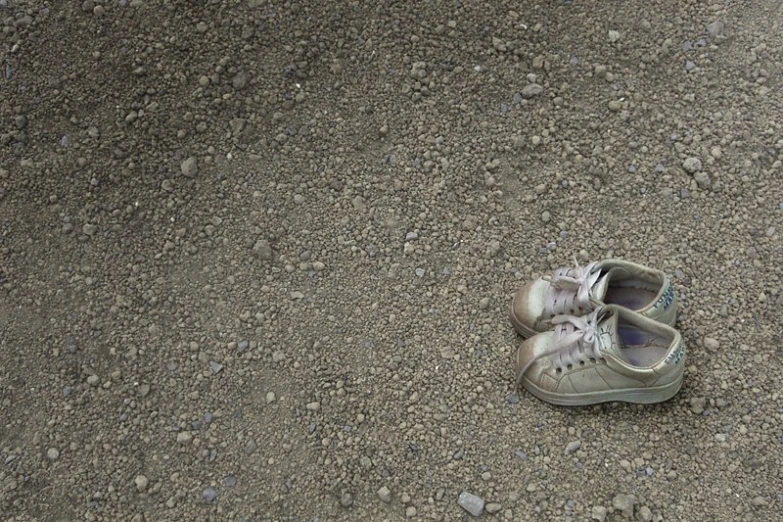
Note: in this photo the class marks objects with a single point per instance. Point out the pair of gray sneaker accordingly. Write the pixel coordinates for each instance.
(599, 333)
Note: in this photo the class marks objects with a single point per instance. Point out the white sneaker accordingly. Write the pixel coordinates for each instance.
(612, 354)
(578, 291)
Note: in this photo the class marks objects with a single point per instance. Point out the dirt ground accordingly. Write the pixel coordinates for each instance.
(256, 257)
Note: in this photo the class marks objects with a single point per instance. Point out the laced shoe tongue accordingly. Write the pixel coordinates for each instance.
(608, 334)
(598, 291)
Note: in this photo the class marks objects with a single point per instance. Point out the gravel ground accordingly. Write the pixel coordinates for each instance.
(256, 256)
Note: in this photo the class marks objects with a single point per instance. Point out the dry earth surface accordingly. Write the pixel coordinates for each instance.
(256, 256)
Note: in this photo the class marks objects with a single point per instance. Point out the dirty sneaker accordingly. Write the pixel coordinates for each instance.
(579, 290)
(611, 354)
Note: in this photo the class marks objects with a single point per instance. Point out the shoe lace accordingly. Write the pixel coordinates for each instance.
(576, 342)
(569, 289)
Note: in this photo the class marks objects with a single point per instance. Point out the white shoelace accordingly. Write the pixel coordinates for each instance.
(569, 290)
(576, 342)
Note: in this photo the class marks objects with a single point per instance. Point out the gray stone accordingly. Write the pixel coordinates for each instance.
(209, 495)
(644, 514)
(471, 503)
(189, 167)
(384, 494)
(598, 513)
(263, 249)
(624, 503)
(531, 91)
(702, 179)
(239, 81)
(698, 404)
(692, 165)
(141, 482)
(715, 29)
(493, 507)
(711, 344)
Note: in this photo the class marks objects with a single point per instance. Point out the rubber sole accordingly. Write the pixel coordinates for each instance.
(652, 395)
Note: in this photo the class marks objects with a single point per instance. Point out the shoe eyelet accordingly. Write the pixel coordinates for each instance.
(570, 366)
(581, 363)
(558, 370)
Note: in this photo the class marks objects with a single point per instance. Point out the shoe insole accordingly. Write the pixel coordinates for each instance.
(628, 297)
(642, 348)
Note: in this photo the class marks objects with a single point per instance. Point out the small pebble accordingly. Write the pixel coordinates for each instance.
(573, 446)
(384, 494)
(598, 513)
(644, 514)
(53, 454)
(698, 404)
(711, 344)
(691, 165)
(189, 167)
(624, 503)
(493, 507)
(531, 91)
(209, 495)
(715, 29)
(471, 503)
(141, 482)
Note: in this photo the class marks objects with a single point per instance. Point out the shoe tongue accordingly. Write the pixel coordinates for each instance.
(600, 287)
(608, 335)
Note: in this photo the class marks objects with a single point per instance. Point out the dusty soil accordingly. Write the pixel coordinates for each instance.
(256, 257)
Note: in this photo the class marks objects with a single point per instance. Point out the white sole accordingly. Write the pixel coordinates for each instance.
(632, 395)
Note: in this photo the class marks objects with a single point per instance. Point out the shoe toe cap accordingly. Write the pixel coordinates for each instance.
(528, 361)
(528, 303)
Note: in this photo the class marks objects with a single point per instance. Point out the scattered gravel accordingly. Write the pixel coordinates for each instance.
(256, 257)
